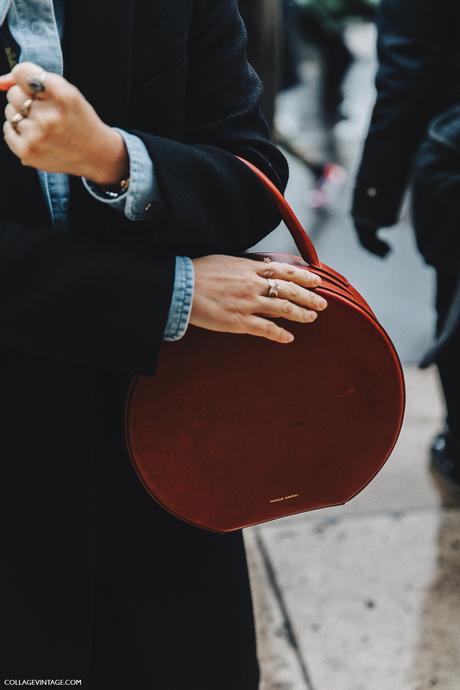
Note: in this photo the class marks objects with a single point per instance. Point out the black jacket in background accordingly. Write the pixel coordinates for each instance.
(418, 77)
(83, 309)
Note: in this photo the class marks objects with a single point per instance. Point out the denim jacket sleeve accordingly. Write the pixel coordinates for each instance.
(143, 190)
(136, 203)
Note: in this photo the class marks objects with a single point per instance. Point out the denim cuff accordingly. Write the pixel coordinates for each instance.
(182, 299)
(143, 193)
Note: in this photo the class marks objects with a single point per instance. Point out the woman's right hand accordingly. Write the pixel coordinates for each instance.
(231, 296)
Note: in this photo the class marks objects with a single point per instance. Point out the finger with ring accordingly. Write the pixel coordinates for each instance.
(16, 120)
(298, 295)
(295, 274)
(273, 288)
(36, 84)
(269, 272)
(25, 107)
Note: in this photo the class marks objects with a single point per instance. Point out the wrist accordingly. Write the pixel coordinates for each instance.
(111, 160)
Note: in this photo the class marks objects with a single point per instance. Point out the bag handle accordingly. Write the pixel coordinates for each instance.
(295, 227)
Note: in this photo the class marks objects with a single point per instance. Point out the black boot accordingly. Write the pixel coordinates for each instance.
(445, 459)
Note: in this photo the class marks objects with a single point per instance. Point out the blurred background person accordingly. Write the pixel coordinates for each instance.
(277, 31)
(322, 23)
(415, 135)
(264, 23)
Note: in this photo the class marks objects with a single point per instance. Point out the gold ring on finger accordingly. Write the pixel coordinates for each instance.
(273, 288)
(16, 120)
(25, 107)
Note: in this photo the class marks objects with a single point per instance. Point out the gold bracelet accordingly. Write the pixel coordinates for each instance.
(111, 193)
(124, 185)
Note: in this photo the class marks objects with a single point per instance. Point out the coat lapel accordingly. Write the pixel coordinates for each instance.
(98, 54)
(97, 59)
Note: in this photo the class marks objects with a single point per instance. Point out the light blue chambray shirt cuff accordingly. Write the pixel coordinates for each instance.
(182, 298)
(143, 192)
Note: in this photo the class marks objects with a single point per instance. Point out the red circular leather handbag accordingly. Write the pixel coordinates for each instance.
(236, 430)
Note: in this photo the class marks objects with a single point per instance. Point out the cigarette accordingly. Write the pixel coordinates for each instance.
(7, 84)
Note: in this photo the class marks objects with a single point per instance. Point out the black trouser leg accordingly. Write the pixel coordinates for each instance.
(449, 360)
(115, 660)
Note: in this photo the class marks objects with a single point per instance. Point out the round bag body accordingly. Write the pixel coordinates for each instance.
(235, 430)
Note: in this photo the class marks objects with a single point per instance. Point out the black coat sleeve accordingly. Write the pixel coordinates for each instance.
(411, 52)
(66, 296)
(214, 203)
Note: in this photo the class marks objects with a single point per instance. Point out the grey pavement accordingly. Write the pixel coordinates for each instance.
(364, 596)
